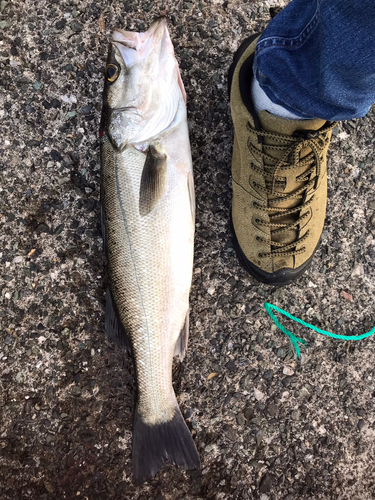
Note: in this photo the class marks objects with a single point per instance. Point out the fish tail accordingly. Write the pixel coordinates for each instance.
(153, 445)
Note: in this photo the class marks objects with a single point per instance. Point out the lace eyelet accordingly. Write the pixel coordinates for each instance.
(260, 255)
(258, 238)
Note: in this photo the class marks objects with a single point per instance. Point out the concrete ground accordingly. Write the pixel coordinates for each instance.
(267, 426)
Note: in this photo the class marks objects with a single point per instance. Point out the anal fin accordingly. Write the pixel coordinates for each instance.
(113, 325)
(182, 341)
(102, 222)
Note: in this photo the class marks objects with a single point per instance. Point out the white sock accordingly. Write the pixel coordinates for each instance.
(262, 101)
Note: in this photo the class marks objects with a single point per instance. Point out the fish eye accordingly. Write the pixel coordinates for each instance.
(111, 72)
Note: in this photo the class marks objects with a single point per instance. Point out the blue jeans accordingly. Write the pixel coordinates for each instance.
(316, 58)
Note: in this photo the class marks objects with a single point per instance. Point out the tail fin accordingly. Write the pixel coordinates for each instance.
(153, 445)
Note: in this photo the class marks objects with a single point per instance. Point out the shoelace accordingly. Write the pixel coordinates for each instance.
(269, 167)
(296, 340)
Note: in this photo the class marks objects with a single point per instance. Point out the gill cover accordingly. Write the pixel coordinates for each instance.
(144, 99)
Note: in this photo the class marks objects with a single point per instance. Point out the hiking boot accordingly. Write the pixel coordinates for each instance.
(279, 175)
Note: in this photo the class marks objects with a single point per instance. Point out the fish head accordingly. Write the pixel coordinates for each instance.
(143, 86)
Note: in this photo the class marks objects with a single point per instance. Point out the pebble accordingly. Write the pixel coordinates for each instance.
(59, 229)
(49, 487)
(281, 352)
(86, 110)
(259, 436)
(249, 413)
(266, 482)
(358, 270)
(272, 410)
(240, 418)
(76, 26)
(288, 370)
(268, 375)
(247, 383)
(303, 392)
(4, 24)
(231, 365)
(258, 394)
(75, 391)
(286, 381)
(210, 447)
(55, 155)
(60, 24)
(55, 103)
(214, 420)
(361, 424)
(63, 180)
(70, 115)
(69, 99)
(295, 415)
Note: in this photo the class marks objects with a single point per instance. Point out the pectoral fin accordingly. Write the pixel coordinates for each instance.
(153, 180)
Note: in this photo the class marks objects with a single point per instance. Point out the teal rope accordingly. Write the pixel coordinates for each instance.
(295, 340)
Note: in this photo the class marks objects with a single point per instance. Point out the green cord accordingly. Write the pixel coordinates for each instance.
(295, 340)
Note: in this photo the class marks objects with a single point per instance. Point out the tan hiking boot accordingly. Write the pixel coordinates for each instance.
(279, 173)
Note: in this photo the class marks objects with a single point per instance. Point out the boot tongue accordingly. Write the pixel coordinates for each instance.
(275, 124)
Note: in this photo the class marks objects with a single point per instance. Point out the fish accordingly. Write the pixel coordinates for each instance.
(148, 223)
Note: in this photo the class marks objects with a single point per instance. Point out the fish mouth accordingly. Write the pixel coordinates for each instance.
(155, 40)
(132, 109)
(135, 40)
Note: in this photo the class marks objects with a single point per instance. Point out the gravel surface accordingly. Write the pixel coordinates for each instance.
(267, 426)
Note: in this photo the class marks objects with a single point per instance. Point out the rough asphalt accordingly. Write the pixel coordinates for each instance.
(267, 426)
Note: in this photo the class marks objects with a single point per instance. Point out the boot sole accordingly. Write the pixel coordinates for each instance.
(283, 276)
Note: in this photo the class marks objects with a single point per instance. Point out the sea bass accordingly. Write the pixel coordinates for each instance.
(148, 212)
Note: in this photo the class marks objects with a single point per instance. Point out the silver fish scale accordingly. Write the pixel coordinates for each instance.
(150, 263)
